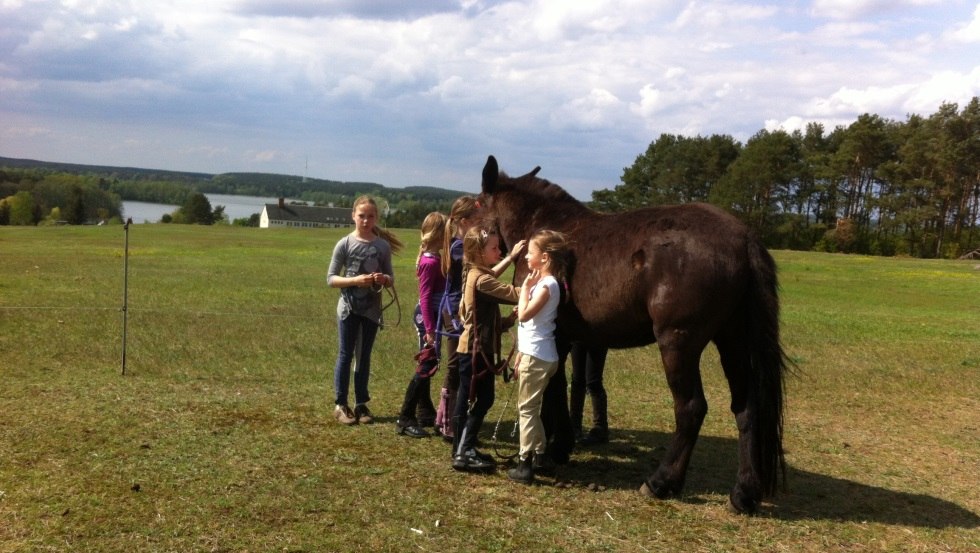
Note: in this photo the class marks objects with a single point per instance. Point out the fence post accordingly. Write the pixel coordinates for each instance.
(125, 302)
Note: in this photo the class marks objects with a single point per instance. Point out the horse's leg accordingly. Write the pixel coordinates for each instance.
(682, 366)
(554, 411)
(747, 493)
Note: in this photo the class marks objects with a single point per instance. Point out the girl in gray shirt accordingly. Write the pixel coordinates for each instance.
(360, 267)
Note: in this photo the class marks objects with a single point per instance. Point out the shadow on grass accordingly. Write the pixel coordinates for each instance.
(632, 455)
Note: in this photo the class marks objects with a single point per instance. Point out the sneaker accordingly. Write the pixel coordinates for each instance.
(363, 414)
(344, 415)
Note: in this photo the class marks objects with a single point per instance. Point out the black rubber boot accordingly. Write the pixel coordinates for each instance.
(524, 471)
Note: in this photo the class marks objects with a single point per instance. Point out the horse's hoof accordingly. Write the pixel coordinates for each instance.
(742, 504)
(657, 492)
(646, 491)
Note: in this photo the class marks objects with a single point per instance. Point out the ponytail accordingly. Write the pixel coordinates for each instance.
(385, 234)
(464, 207)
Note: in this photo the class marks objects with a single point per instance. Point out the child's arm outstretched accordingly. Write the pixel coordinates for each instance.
(515, 252)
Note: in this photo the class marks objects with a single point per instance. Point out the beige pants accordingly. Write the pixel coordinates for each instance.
(533, 375)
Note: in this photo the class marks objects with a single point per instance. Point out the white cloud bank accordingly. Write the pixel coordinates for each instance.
(419, 93)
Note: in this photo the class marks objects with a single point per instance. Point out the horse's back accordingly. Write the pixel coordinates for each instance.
(657, 267)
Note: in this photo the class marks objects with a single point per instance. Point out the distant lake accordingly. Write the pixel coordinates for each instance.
(236, 207)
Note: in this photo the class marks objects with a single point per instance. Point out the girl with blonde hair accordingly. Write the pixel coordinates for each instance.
(432, 284)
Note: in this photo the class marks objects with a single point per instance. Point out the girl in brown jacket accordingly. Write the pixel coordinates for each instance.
(479, 343)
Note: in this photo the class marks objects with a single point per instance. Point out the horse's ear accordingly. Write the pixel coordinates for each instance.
(535, 171)
(490, 175)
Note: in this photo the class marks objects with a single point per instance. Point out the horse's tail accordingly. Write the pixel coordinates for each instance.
(768, 366)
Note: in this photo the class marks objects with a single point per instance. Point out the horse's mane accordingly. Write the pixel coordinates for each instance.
(542, 189)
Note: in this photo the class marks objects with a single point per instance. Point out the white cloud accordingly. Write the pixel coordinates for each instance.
(970, 32)
(594, 111)
(264, 156)
(944, 86)
(650, 101)
(851, 9)
(28, 132)
(849, 101)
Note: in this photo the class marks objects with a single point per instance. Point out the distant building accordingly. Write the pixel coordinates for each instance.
(304, 216)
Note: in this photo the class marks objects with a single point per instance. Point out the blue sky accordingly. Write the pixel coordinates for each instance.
(419, 93)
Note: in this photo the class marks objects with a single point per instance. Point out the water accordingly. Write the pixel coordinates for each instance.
(236, 207)
(145, 212)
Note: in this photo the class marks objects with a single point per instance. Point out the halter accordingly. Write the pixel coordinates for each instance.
(445, 309)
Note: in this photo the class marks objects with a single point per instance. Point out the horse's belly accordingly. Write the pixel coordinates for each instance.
(613, 332)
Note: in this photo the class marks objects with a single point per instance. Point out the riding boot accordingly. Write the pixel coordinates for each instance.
(457, 427)
(470, 431)
(524, 471)
(466, 457)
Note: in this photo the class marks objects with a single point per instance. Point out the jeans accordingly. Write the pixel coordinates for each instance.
(356, 335)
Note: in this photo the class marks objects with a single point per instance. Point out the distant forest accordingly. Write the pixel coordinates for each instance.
(41, 192)
(876, 186)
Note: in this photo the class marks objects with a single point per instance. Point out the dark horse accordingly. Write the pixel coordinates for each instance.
(681, 276)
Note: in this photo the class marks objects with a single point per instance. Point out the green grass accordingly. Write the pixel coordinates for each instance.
(219, 437)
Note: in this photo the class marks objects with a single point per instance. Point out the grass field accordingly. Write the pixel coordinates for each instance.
(219, 437)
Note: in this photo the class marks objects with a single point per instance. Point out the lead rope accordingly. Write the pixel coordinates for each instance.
(393, 292)
(496, 429)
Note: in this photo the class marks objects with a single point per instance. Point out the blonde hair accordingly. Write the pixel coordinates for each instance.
(387, 235)
(473, 244)
(433, 228)
(464, 207)
(555, 245)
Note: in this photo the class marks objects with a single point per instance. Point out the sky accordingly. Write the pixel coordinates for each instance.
(420, 92)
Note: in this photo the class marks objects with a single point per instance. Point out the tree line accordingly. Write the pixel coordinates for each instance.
(876, 186)
(33, 193)
(31, 197)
